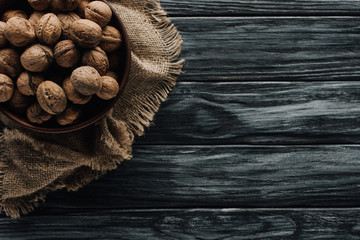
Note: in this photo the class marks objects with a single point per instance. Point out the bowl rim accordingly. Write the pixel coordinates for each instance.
(109, 106)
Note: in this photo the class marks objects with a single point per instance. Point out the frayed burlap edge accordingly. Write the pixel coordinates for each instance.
(81, 176)
(137, 123)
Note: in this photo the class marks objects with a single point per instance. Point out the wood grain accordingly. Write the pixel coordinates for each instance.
(186, 224)
(269, 48)
(259, 113)
(260, 7)
(248, 80)
(224, 176)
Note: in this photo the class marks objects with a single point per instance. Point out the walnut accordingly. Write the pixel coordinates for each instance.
(13, 13)
(35, 17)
(27, 83)
(37, 58)
(10, 62)
(51, 97)
(69, 116)
(86, 80)
(73, 95)
(85, 33)
(19, 32)
(40, 5)
(66, 54)
(110, 88)
(98, 12)
(66, 20)
(3, 40)
(6, 88)
(111, 39)
(112, 74)
(48, 29)
(36, 114)
(81, 8)
(65, 5)
(19, 101)
(97, 59)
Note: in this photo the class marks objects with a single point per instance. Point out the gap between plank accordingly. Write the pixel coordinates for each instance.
(229, 209)
(265, 81)
(247, 145)
(266, 16)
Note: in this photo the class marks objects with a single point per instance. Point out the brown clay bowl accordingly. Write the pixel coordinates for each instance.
(96, 109)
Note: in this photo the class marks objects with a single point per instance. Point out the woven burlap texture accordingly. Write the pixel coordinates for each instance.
(34, 164)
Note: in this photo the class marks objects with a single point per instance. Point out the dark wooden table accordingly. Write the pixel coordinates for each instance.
(260, 139)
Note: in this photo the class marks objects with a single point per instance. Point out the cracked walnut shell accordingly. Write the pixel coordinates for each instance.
(19, 32)
(109, 89)
(10, 62)
(39, 5)
(66, 20)
(27, 83)
(98, 12)
(69, 116)
(112, 74)
(35, 17)
(37, 58)
(86, 80)
(73, 95)
(48, 29)
(19, 101)
(66, 54)
(81, 9)
(36, 114)
(3, 40)
(111, 39)
(6, 88)
(51, 97)
(13, 13)
(86, 33)
(97, 59)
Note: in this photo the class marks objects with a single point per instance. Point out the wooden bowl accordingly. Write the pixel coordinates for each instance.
(96, 109)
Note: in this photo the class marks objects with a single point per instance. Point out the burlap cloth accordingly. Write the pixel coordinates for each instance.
(33, 164)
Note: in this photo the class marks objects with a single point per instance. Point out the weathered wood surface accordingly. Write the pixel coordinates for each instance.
(186, 224)
(248, 80)
(263, 48)
(225, 176)
(260, 7)
(259, 113)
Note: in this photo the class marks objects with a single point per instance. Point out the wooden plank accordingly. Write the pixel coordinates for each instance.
(225, 176)
(260, 7)
(277, 48)
(186, 224)
(259, 113)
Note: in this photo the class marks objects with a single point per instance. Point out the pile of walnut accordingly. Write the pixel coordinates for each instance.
(69, 37)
